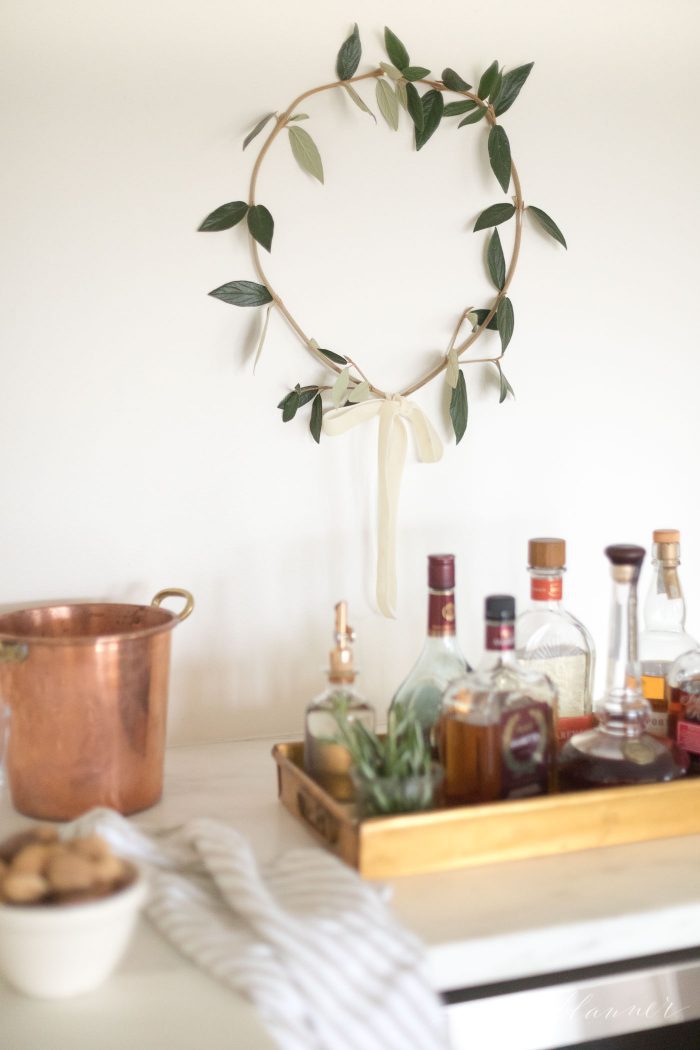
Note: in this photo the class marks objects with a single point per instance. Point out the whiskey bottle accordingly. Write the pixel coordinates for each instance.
(683, 682)
(496, 729)
(664, 637)
(619, 750)
(441, 660)
(325, 759)
(549, 639)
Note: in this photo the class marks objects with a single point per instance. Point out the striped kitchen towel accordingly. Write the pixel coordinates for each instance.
(306, 940)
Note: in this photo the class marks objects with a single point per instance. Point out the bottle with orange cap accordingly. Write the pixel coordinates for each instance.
(664, 637)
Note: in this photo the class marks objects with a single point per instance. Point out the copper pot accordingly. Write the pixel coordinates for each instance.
(87, 686)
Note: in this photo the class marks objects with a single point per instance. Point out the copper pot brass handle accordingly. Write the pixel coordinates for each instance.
(176, 592)
(13, 652)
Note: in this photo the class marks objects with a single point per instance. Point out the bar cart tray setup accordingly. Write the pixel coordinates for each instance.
(456, 837)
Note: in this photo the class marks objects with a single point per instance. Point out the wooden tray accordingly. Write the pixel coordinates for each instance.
(385, 847)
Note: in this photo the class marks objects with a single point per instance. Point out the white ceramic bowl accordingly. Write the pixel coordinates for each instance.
(56, 952)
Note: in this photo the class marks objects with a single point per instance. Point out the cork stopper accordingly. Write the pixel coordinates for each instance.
(341, 658)
(546, 553)
(625, 554)
(667, 536)
(441, 572)
(667, 547)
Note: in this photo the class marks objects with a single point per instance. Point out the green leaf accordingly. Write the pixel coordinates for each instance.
(358, 101)
(506, 322)
(400, 88)
(332, 356)
(496, 260)
(499, 155)
(261, 340)
(495, 87)
(453, 80)
(391, 71)
(388, 104)
(306, 152)
(395, 49)
(459, 408)
(452, 370)
(432, 104)
(242, 293)
(548, 224)
(340, 387)
(473, 118)
(479, 316)
(415, 72)
(415, 109)
(455, 109)
(511, 84)
(506, 388)
(493, 216)
(306, 394)
(487, 81)
(225, 217)
(298, 116)
(359, 392)
(349, 56)
(290, 406)
(316, 420)
(261, 225)
(257, 129)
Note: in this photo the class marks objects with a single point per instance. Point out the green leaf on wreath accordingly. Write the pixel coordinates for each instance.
(488, 79)
(242, 293)
(506, 388)
(257, 129)
(306, 394)
(332, 356)
(290, 406)
(306, 152)
(499, 156)
(391, 71)
(456, 109)
(511, 84)
(416, 72)
(358, 101)
(297, 116)
(432, 104)
(395, 49)
(493, 216)
(474, 117)
(495, 88)
(388, 104)
(548, 224)
(349, 56)
(496, 261)
(401, 93)
(340, 387)
(316, 421)
(225, 217)
(459, 408)
(506, 322)
(415, 109)
(359, 392)
(479, 316)
(261, 225)
(453, 80)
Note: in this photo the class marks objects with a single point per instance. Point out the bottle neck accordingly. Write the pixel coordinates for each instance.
(546, 586)
(442, 617)
(500, 641)
(664, 608)
(625, 712)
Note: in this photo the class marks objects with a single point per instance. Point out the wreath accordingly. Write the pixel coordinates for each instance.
(353, 397)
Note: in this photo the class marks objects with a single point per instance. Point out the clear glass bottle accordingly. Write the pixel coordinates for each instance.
(684, 705)
(496, 730)
(664, 637)
(619, 750)
(327, 761)
(549, 639)
(441, 659)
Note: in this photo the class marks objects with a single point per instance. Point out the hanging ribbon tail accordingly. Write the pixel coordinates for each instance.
(428, 443)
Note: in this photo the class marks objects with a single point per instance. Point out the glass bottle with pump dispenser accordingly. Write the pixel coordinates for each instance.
(664, 637)
(326, 760)
(549, 639)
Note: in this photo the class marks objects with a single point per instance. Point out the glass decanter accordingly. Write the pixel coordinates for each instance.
(619, 750)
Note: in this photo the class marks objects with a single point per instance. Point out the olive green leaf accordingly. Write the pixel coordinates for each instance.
(401, 94)
(298, 116)
(242, 293)
(506, 388)
(340, 387)
(257, 129)
(306, 152)
(506, 322)
(415, 109)
(358, 101)
(391, 71)
(415, 72)
(510, 87)
(496, 260)
(395, 49)
(332, 356)
(289, 406)
(488, 79)
(493, 216)
(477, 318)
(261, 340)
(225, 217)
(495, 87)
(261, 225)
(453, 80)
(432, 104)
(499, 155)
(316, 420)
(388, 104)
(456, 109)
(459, 408)
(349, 56)
(306, 394)
(452, 370)
(548, 224)
(359, 392)
(473, 118)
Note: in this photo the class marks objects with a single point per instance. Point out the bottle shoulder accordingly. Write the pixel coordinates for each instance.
(551, 631)
(338, 698)
(664, 645)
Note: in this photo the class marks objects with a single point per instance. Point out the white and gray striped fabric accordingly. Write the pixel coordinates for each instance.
(307, 941)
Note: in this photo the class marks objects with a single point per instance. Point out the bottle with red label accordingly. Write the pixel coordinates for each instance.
(549, 639)
(683, 682)
(496, 730)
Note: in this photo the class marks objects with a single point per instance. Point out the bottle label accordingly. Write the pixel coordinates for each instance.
(568, 727)
(688, 736)
(658, 723)
(500, 636)
(546, 588)
(653, 686)
(526, 746)
(441, 613)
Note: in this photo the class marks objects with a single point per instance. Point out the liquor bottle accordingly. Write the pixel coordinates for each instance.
(619, 750)
(664, 637)
(441, 660)
(549, 639)
(326, 760)
(496, 730)
(684, 705)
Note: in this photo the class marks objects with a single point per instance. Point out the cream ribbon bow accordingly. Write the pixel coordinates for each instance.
(392, 411)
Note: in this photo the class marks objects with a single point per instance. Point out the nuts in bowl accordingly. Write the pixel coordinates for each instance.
(67, 911)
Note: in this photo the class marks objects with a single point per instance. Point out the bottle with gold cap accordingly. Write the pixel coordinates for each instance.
(549, 639)
(664, 637)
(326, 760)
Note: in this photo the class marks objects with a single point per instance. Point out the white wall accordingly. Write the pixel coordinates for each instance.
(138, 449)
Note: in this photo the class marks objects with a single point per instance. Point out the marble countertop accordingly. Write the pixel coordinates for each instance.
(480, 925)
